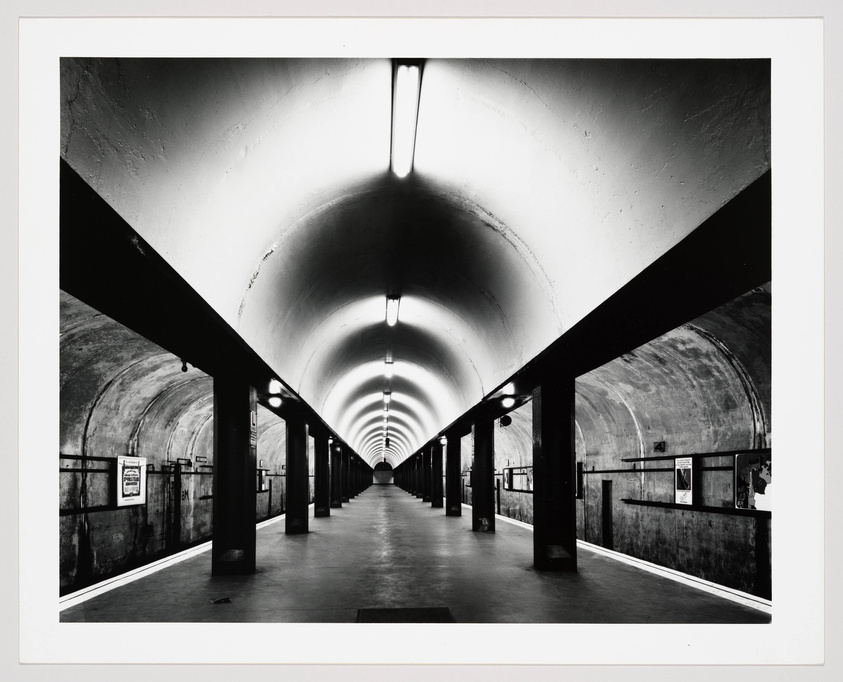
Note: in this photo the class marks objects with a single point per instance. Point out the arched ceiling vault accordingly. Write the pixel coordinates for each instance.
(540, 187)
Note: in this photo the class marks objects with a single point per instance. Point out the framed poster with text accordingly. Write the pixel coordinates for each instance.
(683, 479)
(131, 481)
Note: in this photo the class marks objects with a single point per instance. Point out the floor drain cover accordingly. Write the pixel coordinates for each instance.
(438, 614)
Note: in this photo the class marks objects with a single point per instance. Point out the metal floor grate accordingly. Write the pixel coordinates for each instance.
(437, 614)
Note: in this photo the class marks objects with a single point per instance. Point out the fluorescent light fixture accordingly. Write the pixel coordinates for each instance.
(274, 386)
(392, 303)
(509, 401)
(274, 401)
(387, 396)
(405, 109)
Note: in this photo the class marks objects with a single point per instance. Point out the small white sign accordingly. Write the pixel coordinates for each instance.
(131, 481)
(684, 480)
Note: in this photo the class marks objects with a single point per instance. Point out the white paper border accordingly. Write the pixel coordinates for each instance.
(796, 633)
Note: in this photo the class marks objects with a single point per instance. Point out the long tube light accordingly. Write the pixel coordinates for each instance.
(405, 109)
(392, 303)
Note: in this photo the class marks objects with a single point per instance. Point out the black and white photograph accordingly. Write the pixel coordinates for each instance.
(388, 337)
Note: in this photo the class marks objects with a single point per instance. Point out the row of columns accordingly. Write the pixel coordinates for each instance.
(339, 475)
(554, 470)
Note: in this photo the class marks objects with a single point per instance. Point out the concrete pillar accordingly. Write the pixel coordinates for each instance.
(554, 471)
(436, 475)
(426, 472)
(346, 463)
(298, 484)
(322, 473)
(336, 475)
(419, 477)
(235, 477)
(483, 478)
(453, 477)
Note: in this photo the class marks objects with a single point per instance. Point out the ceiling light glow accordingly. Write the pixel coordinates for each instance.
(392, 303)
(405, 107)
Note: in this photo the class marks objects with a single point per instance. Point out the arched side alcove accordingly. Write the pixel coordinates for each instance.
(383, 474)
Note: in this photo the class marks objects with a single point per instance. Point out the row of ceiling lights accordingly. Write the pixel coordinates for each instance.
(392, 306)
(406, 91)
(405, 108)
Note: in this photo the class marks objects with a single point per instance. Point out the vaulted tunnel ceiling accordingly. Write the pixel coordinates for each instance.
(540, 187)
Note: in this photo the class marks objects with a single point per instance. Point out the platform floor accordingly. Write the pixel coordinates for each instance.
(387, 549)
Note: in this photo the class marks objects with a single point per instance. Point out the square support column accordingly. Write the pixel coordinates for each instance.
(419, 477)
(426, 473)
(235, 477)
(346, 474)
(554, 472)
(298, 484)
(355, 477)
(436, 476)
(453, 477)
(336, 476)
(322, 474)
(483, 479)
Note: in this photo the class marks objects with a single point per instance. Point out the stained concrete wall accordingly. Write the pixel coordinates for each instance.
(123, 395)
(704, 387)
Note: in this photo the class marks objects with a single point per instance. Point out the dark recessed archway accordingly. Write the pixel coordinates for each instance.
(383, 474)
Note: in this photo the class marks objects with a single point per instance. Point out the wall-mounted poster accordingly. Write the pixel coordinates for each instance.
(753, 476)
(683, 480)
(131, 481)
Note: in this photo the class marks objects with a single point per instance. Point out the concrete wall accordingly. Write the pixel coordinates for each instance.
(704, 387)
(383, 478)
(123, 395)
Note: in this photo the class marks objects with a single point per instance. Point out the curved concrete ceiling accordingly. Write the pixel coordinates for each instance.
(539, 188)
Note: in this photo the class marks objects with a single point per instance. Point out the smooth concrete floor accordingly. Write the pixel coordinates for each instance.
(388, 549)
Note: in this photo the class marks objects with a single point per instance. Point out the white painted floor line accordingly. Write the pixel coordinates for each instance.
(87, 593)
(737, 596)
(83, 595)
